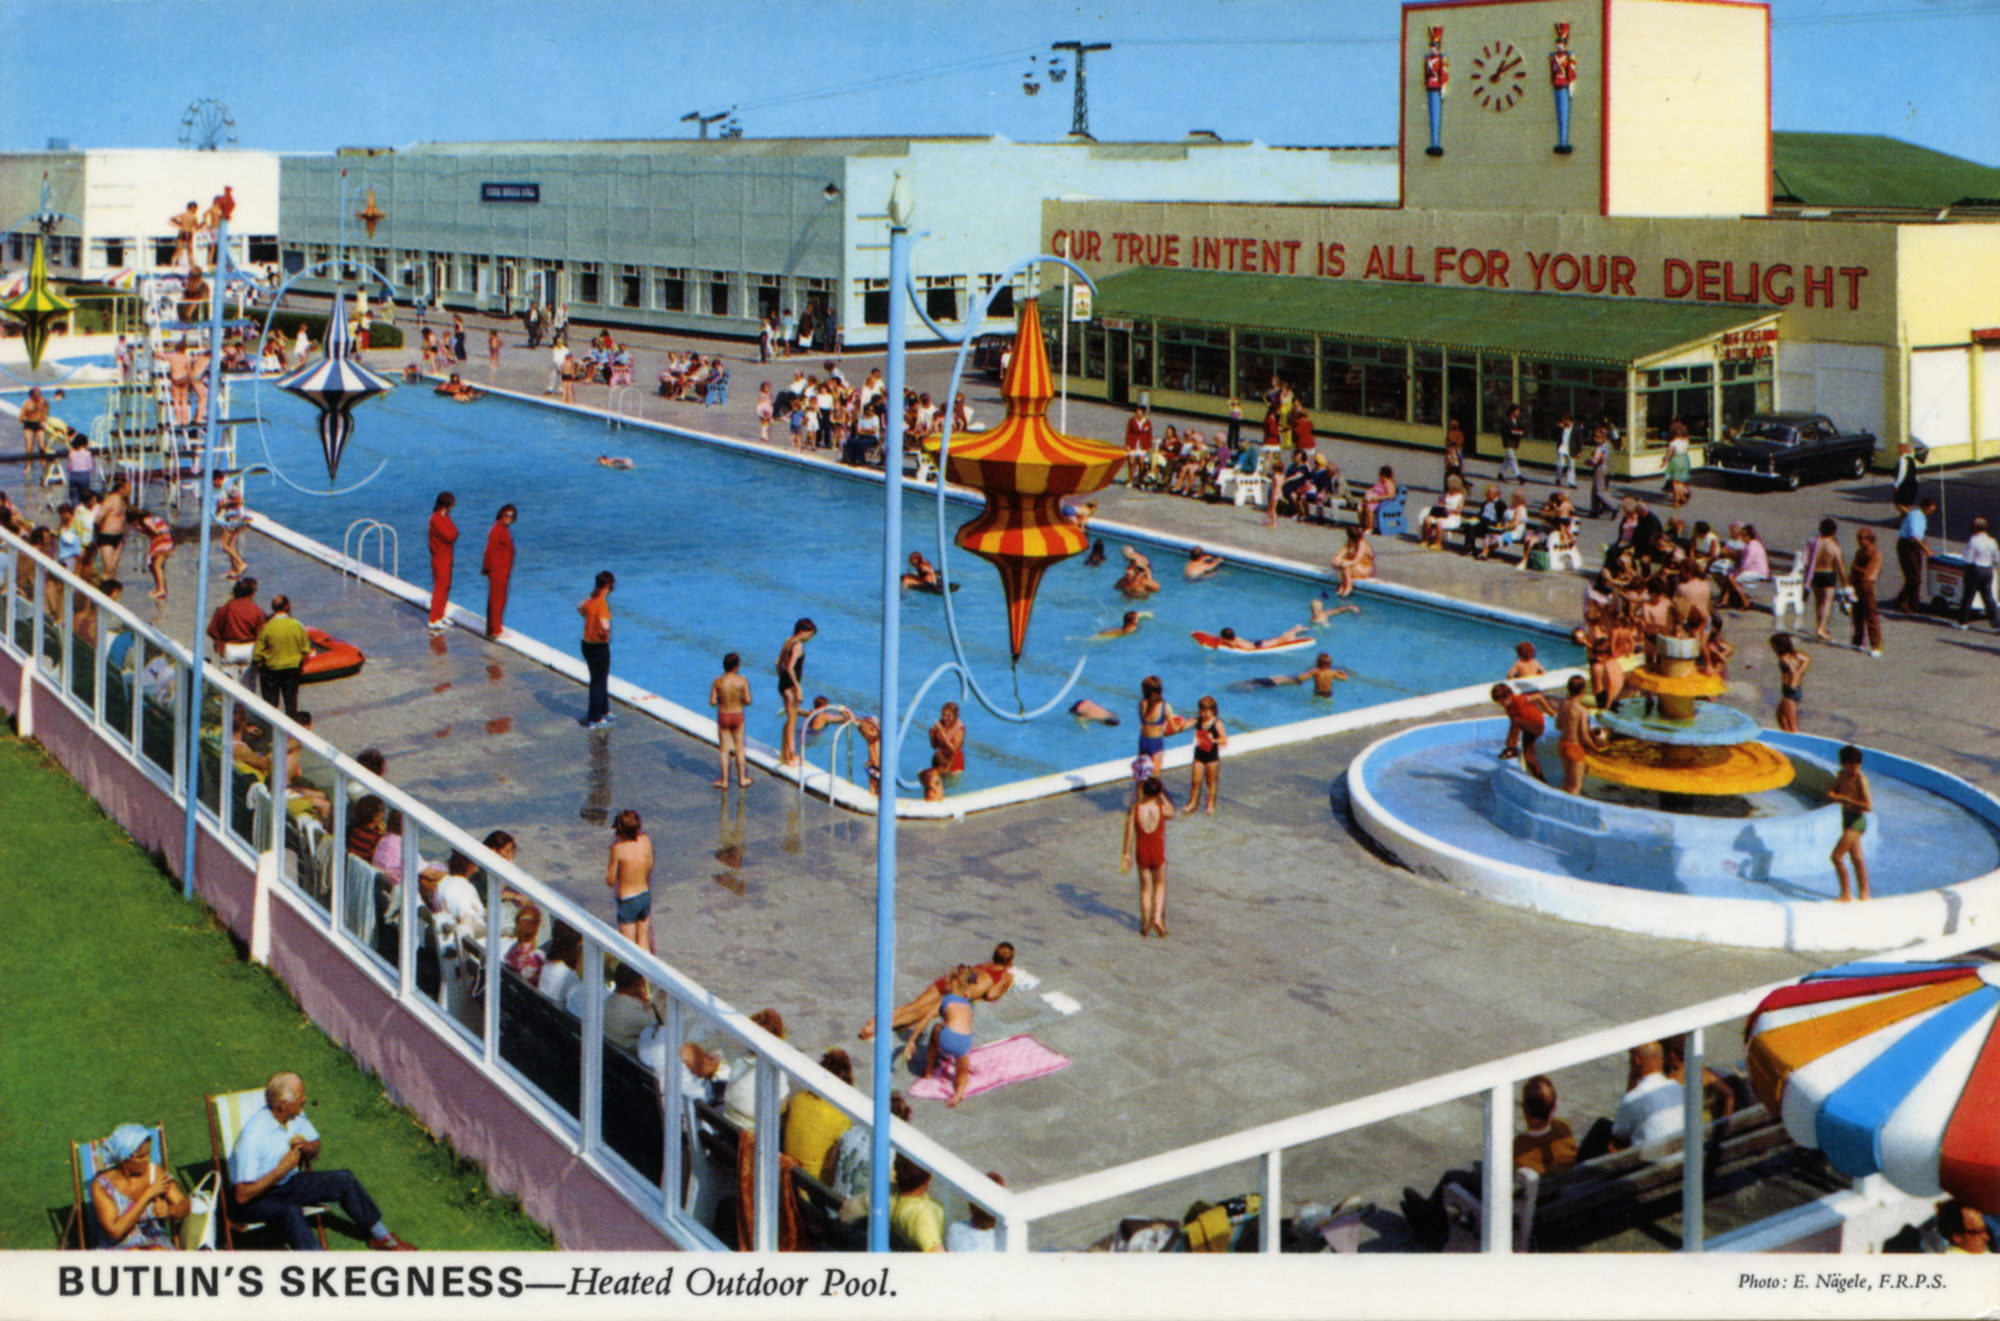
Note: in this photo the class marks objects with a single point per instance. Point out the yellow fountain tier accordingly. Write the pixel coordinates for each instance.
(1743, 768)
(1692, 684)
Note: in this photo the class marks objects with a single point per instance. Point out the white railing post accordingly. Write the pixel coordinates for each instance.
(225, 764)
(409, 933)
(1270, 1236)
(99, 667)
(31, 657)
(498, 942)
(590, 1097)
(770, 1131)
(671, 1106)
(270, 857)
(185, 776)
(66, 650)
(1496, 1193)
(1694, 1147)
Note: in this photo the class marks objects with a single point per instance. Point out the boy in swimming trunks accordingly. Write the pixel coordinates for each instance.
(1850, 790)
(729, 694)
(1527, 718)
(1525, 665)
(951, 1039)
(1320, 676)
(1230, 642)
(1200, 564)
(1576, 737)
(1129, 625)
(791, 669)
(629, 874)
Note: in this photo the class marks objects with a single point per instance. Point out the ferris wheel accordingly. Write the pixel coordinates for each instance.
(207, 125)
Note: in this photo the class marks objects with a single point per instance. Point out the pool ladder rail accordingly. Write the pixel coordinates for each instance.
(354, 543)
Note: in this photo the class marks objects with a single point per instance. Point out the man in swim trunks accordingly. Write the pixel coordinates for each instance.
(990, 981)
(923, 575)
(1526, 720)
(948, 737)
(792, 668)
(629, 874)
(1607, 676)
(1576, 736)
(34, 422)
(951, 1039)
(1850, 790)
(729, 694)
(110, 540)
(1230, 642)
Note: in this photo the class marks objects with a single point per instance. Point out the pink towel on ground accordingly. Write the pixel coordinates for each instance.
(1017, 1059)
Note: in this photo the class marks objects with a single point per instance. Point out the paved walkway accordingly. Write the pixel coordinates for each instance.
(1303, 969)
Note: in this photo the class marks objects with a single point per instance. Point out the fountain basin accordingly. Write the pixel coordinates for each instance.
(1713, 725)
(1427, 796)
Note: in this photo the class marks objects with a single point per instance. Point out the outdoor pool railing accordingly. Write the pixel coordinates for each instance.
(401, 968)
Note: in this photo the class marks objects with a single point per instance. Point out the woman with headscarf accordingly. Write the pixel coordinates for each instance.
(498, 568)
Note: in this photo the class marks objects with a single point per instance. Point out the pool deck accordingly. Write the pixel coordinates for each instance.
(1303, 969)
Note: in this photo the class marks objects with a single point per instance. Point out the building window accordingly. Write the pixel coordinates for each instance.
(1427, 387)
(163, 251)
(631, 287)
(1093, 339)
(769, 291)
(1746, 391)
(441, 274)
(17, 247)
(1676, 393)
(1365, 380)
(943, 296)
(1194, 360)
(1003, 298)
(410, 268)
(1586, 391)
(1260, 357)
(320, 254)
(875, 302)
(670, 290)
(1496, 389)
(295, 260)
(718, 292)
(110, 253)
(263, 249)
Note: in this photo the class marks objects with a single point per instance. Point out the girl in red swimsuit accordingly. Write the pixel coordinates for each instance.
(1147, 838)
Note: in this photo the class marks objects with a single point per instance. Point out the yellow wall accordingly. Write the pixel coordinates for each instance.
(1498, 156)
(1950, 277)
(1689, 85)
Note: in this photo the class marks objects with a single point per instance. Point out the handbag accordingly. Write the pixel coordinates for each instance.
(197, 1233)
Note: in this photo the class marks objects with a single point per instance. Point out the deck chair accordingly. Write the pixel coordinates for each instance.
(226, 1115)
(86, 1161)
(1788, 592)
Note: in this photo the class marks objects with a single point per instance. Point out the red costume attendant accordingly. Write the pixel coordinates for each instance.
(443, 535)
(498, 566)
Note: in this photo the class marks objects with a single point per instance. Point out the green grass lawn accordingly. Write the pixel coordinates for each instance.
(121, 1002)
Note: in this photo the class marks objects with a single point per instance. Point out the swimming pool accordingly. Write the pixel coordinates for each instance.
(718, 550)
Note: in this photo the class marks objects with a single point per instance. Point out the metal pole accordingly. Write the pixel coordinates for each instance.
(193, 724)
(885, 805)
(1694, 1145)
(1062, 420)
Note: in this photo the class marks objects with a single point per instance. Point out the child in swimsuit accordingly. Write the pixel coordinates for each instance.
(1850, 790)
(1156, 718)
(1209, 740)
(1792, 666)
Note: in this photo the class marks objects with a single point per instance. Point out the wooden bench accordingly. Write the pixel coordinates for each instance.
(716, 1141)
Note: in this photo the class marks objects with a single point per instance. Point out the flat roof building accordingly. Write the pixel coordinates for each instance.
(1596, 218)
(712, 235)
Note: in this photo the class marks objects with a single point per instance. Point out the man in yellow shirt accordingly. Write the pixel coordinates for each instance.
(915, 1218)
(813, 1126)
(282, 648)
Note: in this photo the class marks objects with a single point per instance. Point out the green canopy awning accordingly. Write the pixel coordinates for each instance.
(1607, 330)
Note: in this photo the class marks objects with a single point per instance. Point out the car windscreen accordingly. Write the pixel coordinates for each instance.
(1768, 431)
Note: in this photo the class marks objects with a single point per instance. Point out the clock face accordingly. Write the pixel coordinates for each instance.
(1499, 76)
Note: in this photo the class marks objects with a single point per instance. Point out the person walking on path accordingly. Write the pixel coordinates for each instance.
(280, 656)
(1600, 473)
(1566, 439)
(1146, 843)
(1911, 552)
(596, 614)
(1982, 555)
(1861, 577)
(498, 568)
(1511, 435)
(443, 536)
(729, 694)
(791, 671)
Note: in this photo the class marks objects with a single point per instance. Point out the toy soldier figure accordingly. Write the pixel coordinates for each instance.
(1562, 76)
(1437, 80)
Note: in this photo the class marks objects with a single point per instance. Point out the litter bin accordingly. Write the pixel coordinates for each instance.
(1944, 581)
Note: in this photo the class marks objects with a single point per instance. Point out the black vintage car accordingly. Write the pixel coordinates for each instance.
(1785, 449)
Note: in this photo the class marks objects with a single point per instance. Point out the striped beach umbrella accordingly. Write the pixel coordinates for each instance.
(1890, 1068)
(38, 306)
(1025, 467)
(334, 384)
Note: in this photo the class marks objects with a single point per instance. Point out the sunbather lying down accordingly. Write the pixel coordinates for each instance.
(990, 982)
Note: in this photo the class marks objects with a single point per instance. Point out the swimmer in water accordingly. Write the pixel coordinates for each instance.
(1320, 676)
(1089, 711)
(1200, 565)
(606, 461)
(1096, 556)
(1322, 616)
(923, 575)
(1138, 582)
(1129, 626)
(823, 715)
(1230, 642)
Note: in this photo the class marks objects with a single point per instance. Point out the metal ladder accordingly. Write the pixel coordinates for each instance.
(354, 542)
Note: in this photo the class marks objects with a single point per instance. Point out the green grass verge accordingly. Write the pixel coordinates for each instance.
(119, 1001)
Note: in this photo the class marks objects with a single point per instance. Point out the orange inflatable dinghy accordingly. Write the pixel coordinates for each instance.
(331, 659)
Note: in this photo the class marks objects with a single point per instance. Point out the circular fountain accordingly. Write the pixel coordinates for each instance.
(1694, 823)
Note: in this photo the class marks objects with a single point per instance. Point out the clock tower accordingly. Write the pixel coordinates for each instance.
(1587, 107)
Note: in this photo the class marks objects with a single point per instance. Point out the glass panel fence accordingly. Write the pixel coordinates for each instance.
(55, 595)
(539, 1031)
(160, 689)
(309, 834)
(214, 745)
(120, 676)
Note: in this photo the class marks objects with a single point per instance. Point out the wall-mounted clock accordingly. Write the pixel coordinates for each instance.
(1499, 76)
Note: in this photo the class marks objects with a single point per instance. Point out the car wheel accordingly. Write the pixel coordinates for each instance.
(1790, 481)
(1860, 468)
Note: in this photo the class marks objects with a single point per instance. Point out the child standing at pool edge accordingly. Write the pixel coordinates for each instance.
(1850, 790)
(629, 874)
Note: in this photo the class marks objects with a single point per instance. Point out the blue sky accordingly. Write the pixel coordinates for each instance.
(120, 73)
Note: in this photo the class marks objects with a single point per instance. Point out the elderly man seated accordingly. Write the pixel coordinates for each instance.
(1651, 1114)
(1547, 1146)
(272, 1180)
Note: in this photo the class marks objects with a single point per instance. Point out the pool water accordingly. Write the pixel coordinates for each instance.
(717, 550)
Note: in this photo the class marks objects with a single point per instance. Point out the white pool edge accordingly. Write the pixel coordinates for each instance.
(1815, 927)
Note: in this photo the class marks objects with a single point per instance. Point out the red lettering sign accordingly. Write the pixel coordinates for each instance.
(1676, 278)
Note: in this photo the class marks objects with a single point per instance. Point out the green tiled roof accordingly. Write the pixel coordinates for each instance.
(1609, 330)
(1866, 170)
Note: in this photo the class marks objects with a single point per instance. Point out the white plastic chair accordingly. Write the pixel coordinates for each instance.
(1789, 593)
